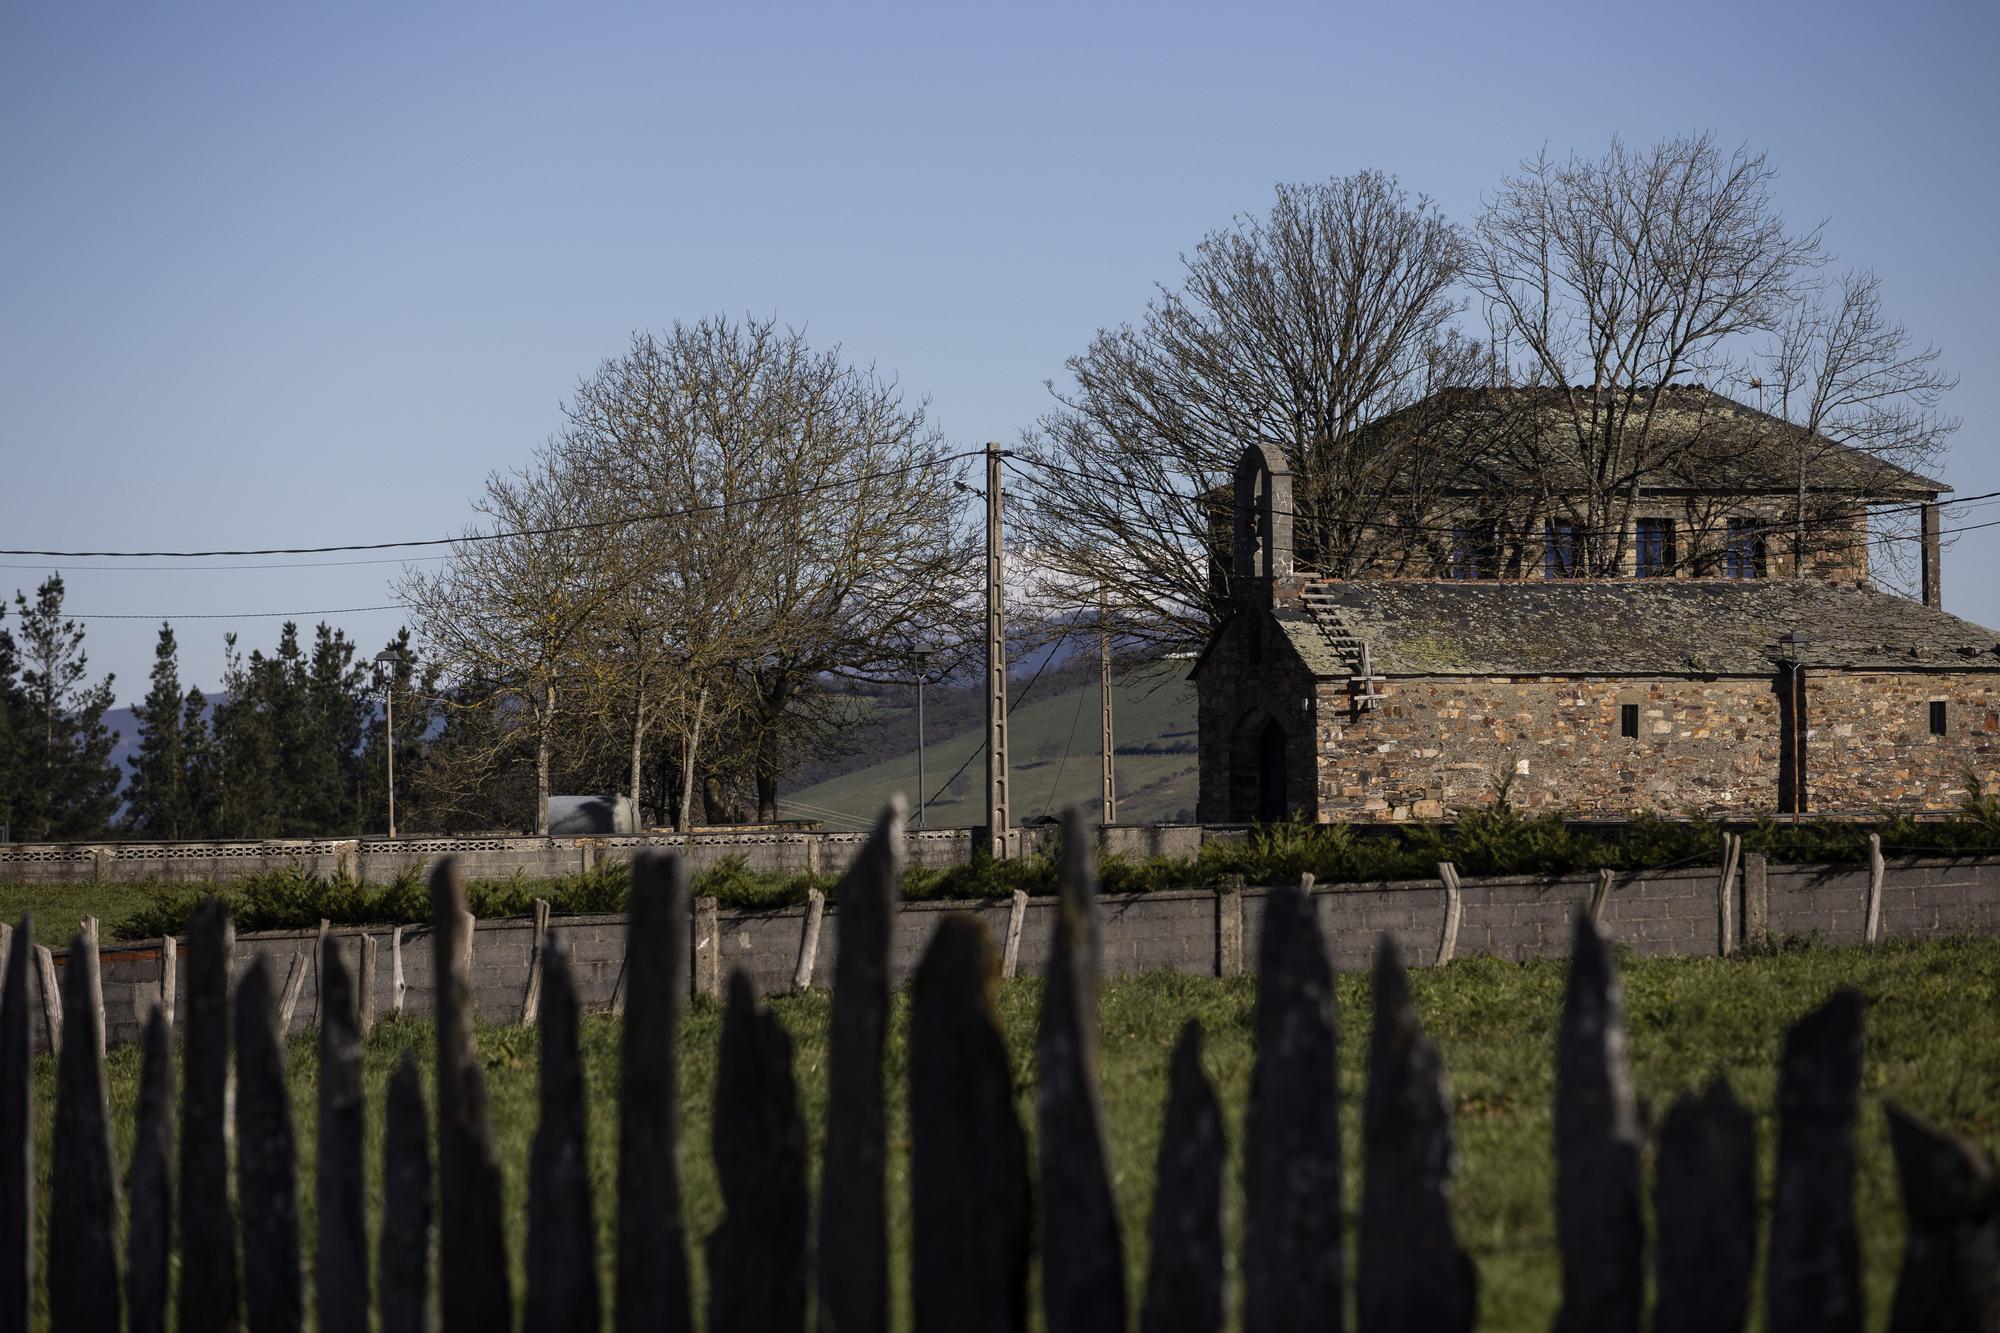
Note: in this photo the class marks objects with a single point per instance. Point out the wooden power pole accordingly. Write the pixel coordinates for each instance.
(999, 820)
(1109, 794)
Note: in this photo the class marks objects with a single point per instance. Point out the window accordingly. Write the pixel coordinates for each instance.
(1628, 720)
(1743, 557)
(1655, 553)
(1559, 549)
(1471, 551)
(1939, 718)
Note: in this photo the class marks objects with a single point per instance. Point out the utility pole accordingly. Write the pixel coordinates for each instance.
(999, 821)
(1109, 795)
(386, 664)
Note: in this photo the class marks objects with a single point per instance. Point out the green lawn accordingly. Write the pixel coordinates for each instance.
(1932, 1028)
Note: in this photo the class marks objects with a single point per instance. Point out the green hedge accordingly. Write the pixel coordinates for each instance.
(1498, 842)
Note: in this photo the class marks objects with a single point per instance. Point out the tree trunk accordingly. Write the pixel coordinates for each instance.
(689, 745)
(544, 743)
(774, 697)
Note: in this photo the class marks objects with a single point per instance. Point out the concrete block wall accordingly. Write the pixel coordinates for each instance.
(1513, 918)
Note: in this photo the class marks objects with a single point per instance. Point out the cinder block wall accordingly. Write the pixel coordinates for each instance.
(1667, 913)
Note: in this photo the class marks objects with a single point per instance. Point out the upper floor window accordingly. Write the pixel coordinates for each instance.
(1655, 549)
(1471, 551)
(1559, 559)
(1743, 556)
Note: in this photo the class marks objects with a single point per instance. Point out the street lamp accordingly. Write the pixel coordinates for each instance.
(922, 657)
(385, 679)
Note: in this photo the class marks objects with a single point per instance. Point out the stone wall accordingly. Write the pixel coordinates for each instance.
(1249, 674)
(1434, 747)
(1199, 932)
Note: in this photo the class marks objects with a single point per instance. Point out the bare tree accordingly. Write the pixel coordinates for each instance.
(1605, 280)
(1301, 329)
(1855, 386)
(807, 525)
(504, 619)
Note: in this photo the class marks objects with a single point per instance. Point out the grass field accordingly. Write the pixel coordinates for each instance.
(1932, 1029)
(1054, 741)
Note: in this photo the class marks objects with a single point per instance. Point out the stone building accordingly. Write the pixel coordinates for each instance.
(1722, 690)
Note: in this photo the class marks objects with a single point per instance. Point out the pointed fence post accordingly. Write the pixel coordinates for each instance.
(169, 950)
(652, 1277)
(562, 1238)
(1184, 1273)
(403, 1299)
(266, 1160)
(853, 1258)
(83, 1192)
(52, 1005)
(1813, 1278)
(1411, 1272)
(149, 1238)
(341, 1271)
(1725, 894)
(1454, 906)
(295, 985)
(757, 1255)
(1292, 1263)
(472, 1246)
(1876, 874)
(208, 1281)
(1010, 949)
(1598, 1223)
(1083, 1257)
(968, 1155)
(366, 1005)
(1951, 1256)
(1705, 1211)
(802, 975)
(398, 988)
(531, 1003)
(17, 1132)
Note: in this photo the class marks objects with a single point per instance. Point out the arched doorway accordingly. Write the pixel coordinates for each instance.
(1258, 771)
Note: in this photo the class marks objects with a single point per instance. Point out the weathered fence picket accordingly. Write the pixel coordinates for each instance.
(17, 1132)
(757, 1254)
(1291, 1133)
(1813, 1280)
(341, 1263)
(402, 1269)
(652, 1269)
(1083, 1259)
(853, 1269)
(472, 1245)
(266, 1160)
(1598, 1224)
(968, 1155)
(1411, 1272)
(1185, 1290)
(969, 1175)
(208, 1291)
(562, 1239)
(83, 1189)
(149, 1200)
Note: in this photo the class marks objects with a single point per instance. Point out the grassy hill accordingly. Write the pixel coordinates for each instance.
(1054, 736)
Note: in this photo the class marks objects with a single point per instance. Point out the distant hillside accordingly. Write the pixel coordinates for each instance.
(1054, 737)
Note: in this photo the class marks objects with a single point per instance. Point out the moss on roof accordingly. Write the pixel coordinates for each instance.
(1637, 627)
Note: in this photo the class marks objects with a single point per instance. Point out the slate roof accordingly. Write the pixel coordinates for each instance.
(1626, 627)
(1712, 444)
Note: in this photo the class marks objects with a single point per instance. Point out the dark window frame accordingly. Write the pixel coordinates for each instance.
(1559, 558)
(1653, 553)
(1628, 721)
(1940, 717)
(1743, 550)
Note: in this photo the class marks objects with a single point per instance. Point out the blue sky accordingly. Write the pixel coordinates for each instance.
(274, 277)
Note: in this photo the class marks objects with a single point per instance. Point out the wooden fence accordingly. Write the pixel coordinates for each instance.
(974, 1193)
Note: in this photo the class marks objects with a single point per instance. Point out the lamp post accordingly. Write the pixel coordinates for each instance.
(922, 657)
(385, 676)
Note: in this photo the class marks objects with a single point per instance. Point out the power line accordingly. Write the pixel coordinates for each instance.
(219, 615)
(551, 530)
(301, 564)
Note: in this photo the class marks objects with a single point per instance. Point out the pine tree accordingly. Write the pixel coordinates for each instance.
(156, 802)
(66, 784)
(203, 789)
(329, 756)
(245, 753)
(13, 711)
